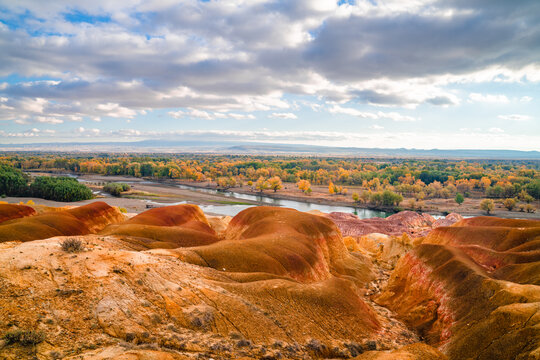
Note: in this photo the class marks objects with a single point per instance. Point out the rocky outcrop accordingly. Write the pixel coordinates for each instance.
(472, 289)
(81, 220)
(409, 222)
(449, 220)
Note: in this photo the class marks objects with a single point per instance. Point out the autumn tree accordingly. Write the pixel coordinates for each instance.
(226, 182)
(509, 204)
(262, 184)
(487, 205)
(275, 183)
(304, 185)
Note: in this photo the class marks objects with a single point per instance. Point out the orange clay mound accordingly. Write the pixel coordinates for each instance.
(113, 302)
(170, 216)
(82, 220)
(471, 289)
(282, 242)
(167, 227)
(13, 211)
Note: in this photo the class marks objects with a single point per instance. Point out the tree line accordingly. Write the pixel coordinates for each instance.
(14, 182)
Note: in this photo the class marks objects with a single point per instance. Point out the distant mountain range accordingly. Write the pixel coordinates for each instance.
(223, 147)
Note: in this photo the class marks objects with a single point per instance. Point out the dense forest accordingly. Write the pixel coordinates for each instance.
(416, 178)
(13, 182)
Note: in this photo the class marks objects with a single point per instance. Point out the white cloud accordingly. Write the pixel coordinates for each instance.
(376, 127)
(200, 114)
(488, 98)
(241, 116)
(515, 117)
(394, 116)
(495, 130)
(290, 116)
(116, 111)
(48, 120)
(228, 59)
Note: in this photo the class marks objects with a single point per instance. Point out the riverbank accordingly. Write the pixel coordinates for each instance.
(170, 191)
(437, 207)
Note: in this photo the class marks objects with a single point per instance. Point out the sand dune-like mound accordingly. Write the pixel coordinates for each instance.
(170, 216)
(14, 211)
(167, 227)
(282, 242)
(81, 220)
(471, 289)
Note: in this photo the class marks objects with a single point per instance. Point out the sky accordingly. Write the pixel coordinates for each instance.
(447, 74)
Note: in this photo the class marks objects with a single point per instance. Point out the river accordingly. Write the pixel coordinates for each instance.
(233, 209)
(298, 205)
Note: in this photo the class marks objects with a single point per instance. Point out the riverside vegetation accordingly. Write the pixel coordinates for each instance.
(379, 183)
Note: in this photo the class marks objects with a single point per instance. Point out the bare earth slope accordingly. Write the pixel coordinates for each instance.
(280, 285)
(471, 289)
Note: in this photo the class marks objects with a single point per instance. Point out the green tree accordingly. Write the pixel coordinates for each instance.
(59, 189)
(459, 198)
(13, 182)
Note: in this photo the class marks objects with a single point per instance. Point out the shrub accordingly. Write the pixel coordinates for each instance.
(459, 199)
(72, 245)
(530, 208)
(116, 189)
(24, 337)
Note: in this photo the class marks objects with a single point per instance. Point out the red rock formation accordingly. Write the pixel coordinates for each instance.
(13, 211)
(408, 222)
(460, 289)
(282, 285)
(82, 220)
(449, 220)
(167, 227)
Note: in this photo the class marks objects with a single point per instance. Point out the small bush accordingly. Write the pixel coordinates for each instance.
(72, 245)
(116, 189)
(24, 337)
(123, 210)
